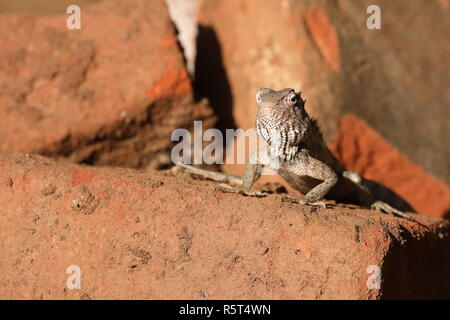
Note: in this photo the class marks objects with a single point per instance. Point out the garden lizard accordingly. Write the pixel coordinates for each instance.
(298, 153)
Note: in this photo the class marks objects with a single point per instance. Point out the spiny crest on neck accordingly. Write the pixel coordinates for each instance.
(315, 128)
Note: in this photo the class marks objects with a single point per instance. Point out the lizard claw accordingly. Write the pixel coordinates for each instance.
(384, 207)
(223, 187)
(303, 201)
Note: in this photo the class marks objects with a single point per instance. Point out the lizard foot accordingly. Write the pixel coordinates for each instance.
(384, 207)
(223, 187)
(303, 201)
(210, 175)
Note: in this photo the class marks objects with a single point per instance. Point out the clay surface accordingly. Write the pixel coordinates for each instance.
(158, 236)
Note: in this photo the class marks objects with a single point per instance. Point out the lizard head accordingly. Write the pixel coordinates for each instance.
(281, 120)
(286, 98)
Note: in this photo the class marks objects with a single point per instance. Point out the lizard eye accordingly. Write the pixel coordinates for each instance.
(292, 99)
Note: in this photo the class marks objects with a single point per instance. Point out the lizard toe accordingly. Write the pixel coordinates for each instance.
(384, 207)
(223, 187)
(303, 201)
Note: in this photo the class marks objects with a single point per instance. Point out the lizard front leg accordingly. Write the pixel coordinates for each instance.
(251, 174)
(305, 168)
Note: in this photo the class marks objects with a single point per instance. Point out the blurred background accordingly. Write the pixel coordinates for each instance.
(112, 92)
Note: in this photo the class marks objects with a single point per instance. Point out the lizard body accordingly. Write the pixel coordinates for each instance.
(299, 154)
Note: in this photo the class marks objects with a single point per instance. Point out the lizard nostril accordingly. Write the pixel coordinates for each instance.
(258, 97)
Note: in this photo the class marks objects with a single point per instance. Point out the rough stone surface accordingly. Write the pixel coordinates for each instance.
(158, 236)
(395, 78)
(108, 94)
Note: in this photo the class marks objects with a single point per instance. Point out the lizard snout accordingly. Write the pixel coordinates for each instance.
(261, 92)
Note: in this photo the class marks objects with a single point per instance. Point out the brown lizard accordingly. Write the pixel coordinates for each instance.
(298, 153)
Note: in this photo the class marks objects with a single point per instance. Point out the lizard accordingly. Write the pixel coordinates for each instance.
(298, 153)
